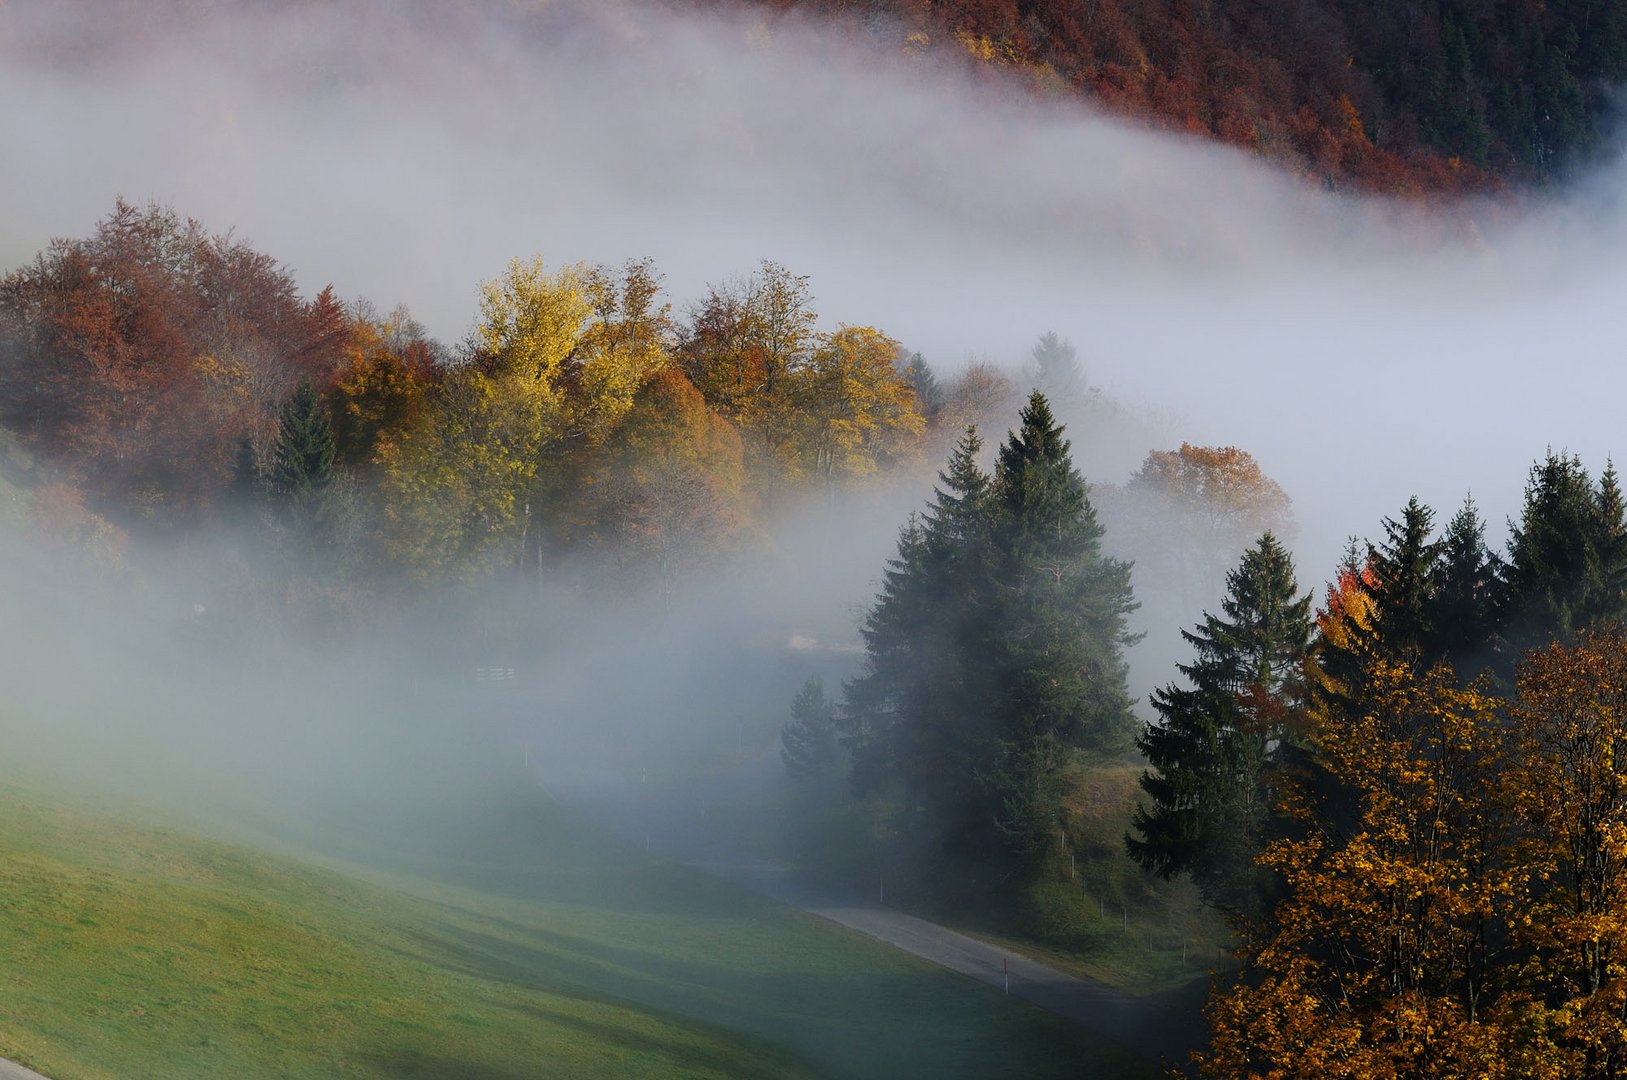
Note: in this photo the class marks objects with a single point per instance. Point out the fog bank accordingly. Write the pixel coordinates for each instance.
(1363, 351)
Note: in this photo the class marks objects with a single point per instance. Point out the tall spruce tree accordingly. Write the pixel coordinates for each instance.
(994, 651)
(1056, 631)
(1566, 556)
(1057, 372)
(881, 715)
(1219, 740)
(1611, 538)
(808, 746)
(1462, 615)
(1385, 611)
(913, 712)
(929, 395)
(1400, 580)
(302, 470)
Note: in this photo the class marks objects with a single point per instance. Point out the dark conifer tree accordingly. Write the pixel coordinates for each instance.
(247, 485)
(808, 744)
(913, 711)
(880, 716)
(1462, 611)
(1387, 614)
(302, 469)
(302, 462)
(1611, 539)
(1565, 556)
(994, 650)
(1400, 579)
(1057, 372)
(1057, 622)
(929, 395)
(1218, 741)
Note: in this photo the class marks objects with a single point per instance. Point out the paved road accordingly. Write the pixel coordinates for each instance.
(10, 1070)
(1143, 1026)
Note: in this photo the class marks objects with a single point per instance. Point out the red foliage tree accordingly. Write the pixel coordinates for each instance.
(137, 359)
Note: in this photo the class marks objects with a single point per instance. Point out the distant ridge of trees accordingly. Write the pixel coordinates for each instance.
(1387, 96)
(1392, 96)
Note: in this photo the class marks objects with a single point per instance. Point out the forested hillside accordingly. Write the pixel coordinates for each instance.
(1112, 692)
(166, 385)
(1400, 96)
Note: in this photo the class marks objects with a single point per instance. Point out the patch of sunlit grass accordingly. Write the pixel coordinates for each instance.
(515, 943)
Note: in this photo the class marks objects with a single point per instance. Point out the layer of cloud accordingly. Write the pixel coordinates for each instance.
(1363, 351)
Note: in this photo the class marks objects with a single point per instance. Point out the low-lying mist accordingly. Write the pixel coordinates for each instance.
(1363, 351)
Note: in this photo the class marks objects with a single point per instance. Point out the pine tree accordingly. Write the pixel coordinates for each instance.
(1566, 556)
(1400, 580)
(808, 746)
(880, 718)
(302, 468)
(247, 485)
(994, 650)
(1462, 615)
(1218, 741)
(1381, 609)
(913, 711)
(929, 395)
(1056, 370)
(1057, 630)
(1611, 541)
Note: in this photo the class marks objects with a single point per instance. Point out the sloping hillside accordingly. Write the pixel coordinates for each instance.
(1396, 96)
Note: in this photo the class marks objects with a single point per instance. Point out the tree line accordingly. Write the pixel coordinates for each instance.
(993, 655)
(1410, 802)
(165, 379)
(1392, 97)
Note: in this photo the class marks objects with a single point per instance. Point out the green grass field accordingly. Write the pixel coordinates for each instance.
(512, 941)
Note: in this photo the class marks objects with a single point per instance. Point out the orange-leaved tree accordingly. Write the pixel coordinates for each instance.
(1377, 960)
(1567, 783)
(1194, 510)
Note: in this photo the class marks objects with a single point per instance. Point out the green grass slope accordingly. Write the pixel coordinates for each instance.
(515, 942)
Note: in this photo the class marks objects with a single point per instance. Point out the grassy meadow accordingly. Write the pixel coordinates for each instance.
(511, 941)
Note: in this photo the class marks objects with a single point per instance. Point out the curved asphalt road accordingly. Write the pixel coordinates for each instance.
(10, 1070)
(1141, 1025)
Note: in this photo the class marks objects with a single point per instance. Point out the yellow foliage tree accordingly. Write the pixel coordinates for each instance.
(1470, 919)
(1567, 782)
(669, 492)
(628, 340)
(745, 350)
(455, 490)
(854, 404)
(381, 391)
(1194, 510)
(1377, 961)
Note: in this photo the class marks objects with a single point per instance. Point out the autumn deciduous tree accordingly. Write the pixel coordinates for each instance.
(856, 407)
(1192, 511)
(1567, 785)
(743, 349)
(455, 490)
(140, 357)
(382, 388)
(628, 339)
(1471, 919)
(668, 491)
(1382, 959)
